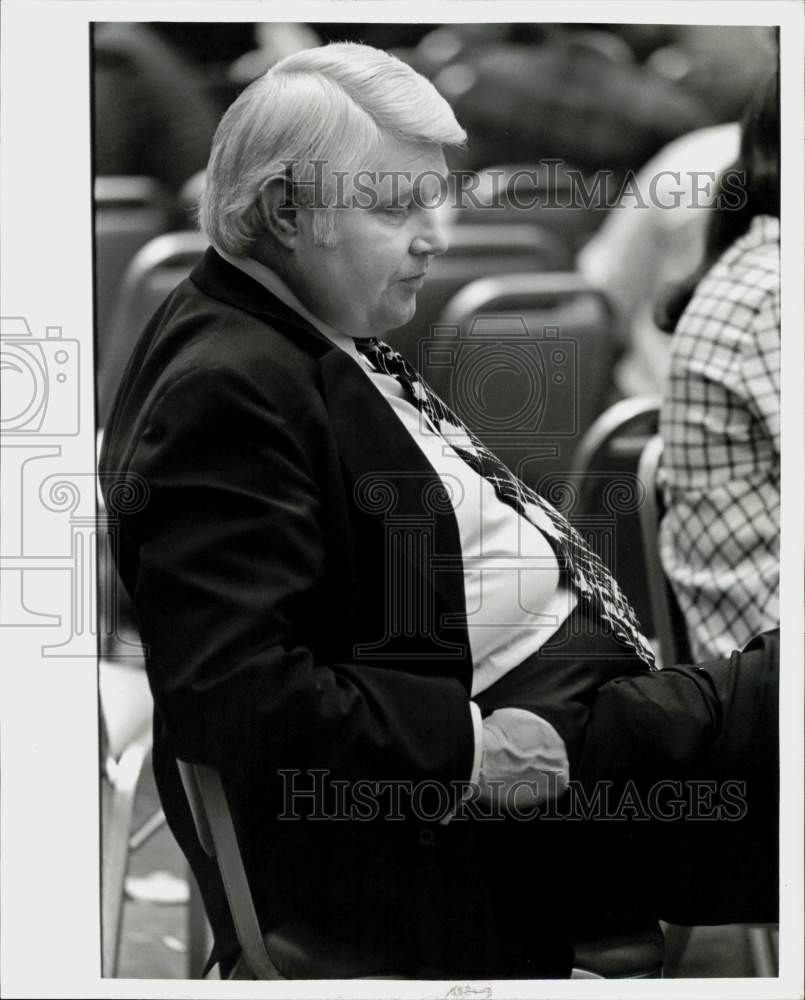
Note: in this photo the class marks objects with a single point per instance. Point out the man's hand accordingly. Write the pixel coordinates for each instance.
(523, 760)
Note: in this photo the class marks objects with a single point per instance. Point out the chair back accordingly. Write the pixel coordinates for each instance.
(564, 201)
(476, 252)
(129, 211)
(124, 709)
(525, 360)
(216, 833)
(508, 239)
(602, 493)
(157, 268)
(669, 622)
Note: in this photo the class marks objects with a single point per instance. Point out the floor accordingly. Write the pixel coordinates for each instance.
(154, 941)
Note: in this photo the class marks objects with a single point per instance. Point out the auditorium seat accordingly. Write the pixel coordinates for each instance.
(476, 252)
(525, 360)
(669, 622)
(561, 199)
(602, 494)
(155, 271)
(129, 211)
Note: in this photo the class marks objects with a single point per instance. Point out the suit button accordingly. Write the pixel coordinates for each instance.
(427, 838)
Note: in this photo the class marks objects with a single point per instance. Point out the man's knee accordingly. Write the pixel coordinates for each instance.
(658, 723)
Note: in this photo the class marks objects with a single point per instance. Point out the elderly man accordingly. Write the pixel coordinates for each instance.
(340, 590)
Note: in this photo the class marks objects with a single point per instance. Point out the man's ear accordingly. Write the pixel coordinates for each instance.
(278, 211)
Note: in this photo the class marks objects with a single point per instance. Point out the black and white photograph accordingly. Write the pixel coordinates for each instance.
(402, 551)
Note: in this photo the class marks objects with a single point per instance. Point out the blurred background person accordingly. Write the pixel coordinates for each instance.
(653, 238)
(152, 117)
(720, 417)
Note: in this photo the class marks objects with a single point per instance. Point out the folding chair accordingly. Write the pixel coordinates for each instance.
(129, 211)
(155, 271)
(547, 194)
(633, 956)
(602, 492)
(477, 251)
(669, 623)
(125, 710)
(125, 717)
(525, 360)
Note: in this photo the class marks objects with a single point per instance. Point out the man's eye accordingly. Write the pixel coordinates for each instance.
(397, 209)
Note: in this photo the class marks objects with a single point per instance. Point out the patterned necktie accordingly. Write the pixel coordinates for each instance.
(582, 568)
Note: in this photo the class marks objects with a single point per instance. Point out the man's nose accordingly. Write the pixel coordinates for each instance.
(431, 237)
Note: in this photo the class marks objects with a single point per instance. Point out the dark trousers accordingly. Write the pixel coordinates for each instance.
(711, 734)
(673, 807)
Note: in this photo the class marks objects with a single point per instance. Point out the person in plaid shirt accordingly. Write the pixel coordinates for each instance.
(720, 418)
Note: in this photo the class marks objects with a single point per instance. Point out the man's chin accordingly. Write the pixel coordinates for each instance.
(400, 317)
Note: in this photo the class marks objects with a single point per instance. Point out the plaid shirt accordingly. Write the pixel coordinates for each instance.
(720, 422)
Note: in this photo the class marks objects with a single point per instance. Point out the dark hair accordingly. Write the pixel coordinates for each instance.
(758, 165)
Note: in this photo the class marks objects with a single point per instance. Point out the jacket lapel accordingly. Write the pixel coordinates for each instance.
(392, 480)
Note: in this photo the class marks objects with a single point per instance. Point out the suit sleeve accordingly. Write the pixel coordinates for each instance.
(230, 559)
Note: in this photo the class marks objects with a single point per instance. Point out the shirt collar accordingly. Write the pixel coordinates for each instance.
(273, 283)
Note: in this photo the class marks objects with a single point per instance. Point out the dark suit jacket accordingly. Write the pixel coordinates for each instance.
(289, 519)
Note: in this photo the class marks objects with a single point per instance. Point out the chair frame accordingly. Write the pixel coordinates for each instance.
(668, 621)
(167, 250)
(121, 771)
(507, 290)
(614, 421)
(170, 250)
(207, 799)
(122, 778)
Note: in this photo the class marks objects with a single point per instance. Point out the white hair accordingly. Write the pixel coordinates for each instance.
(335, 105)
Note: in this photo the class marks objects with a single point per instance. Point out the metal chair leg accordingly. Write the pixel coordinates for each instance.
(122, 776)
(199, 936)
(761, 949)
(677, 939)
